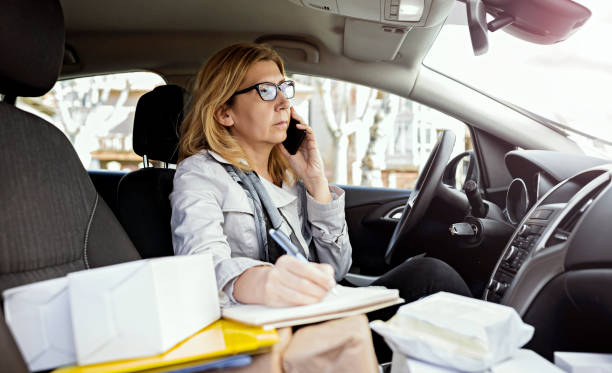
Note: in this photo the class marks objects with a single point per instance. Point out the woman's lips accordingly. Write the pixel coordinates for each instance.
(281, 123)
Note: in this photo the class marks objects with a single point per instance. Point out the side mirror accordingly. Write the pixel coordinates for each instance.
(461, 169)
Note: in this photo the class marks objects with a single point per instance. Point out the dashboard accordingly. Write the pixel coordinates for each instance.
(549, 202)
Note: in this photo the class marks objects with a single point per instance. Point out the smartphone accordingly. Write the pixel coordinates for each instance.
(295, 137)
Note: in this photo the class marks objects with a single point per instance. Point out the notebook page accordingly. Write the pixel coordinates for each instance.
(346, 298)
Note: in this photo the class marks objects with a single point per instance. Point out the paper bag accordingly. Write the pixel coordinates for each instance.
(342, 345)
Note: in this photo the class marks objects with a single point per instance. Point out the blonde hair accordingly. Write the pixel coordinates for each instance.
(215, 84)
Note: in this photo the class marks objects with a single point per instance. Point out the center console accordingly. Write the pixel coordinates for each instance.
(521, 246)
(536, 251)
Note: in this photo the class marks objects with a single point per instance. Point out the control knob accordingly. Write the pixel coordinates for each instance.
(510, 253)
(501, 287)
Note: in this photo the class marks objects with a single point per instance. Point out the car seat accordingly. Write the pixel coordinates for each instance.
(53, 220)
(143, 195)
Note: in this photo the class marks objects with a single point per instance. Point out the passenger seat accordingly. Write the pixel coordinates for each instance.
(144, 207)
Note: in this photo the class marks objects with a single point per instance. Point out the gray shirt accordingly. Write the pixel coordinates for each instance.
(211, 213)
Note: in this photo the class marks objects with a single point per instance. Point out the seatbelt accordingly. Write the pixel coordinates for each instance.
(266, 214)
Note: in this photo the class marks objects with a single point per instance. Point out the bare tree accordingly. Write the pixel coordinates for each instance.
(86, 111)
(373, 160)
(342, 118)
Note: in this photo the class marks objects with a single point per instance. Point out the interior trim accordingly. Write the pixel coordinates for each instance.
(360, 280)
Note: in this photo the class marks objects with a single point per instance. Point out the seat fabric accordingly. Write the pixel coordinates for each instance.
(53, 220)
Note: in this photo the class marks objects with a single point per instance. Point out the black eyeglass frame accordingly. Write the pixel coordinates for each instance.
(278, 88)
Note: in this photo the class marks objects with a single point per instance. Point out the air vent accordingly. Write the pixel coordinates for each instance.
(567, 225)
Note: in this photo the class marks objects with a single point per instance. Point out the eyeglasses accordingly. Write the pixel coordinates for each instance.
(267, 91)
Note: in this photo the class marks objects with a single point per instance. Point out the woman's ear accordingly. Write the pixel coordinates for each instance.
(223, 116)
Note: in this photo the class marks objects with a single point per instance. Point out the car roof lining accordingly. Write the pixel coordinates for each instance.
(174, 39)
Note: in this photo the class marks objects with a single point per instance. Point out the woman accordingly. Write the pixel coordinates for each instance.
(234, 175)
(233, 122)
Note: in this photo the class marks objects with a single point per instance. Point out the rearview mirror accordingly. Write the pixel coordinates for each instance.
(477, 23)
(537, 21)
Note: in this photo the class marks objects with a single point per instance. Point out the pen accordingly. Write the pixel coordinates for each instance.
(285, 243)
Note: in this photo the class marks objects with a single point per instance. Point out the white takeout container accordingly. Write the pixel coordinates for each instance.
(521, 361)
(38, 316)
(141, 308)
(583, 362)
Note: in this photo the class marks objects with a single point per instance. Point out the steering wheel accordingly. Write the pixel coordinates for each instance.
(424, 191)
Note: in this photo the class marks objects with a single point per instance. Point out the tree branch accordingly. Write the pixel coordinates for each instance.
(69, 125)
(324, 88)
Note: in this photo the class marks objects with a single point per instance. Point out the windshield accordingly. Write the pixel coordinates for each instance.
(569, 82)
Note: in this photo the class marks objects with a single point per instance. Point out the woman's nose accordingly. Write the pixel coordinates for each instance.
(281, 101)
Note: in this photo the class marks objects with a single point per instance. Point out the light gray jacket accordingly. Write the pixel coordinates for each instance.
(212, 213)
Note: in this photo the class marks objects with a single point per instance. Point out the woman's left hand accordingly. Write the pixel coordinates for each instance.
(307, 163)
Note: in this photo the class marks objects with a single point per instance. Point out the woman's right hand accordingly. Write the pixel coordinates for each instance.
(290, 282)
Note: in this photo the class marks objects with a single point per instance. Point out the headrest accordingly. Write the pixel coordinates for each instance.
(32, 45)
(157, 122)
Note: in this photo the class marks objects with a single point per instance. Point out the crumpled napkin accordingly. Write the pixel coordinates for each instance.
(455, 331)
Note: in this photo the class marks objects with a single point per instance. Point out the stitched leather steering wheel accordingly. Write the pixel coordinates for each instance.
(425, 189)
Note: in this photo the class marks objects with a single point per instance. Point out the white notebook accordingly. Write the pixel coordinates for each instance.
(346, 301)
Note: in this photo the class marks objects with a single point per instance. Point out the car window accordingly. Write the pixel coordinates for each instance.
(370, 137)
(96, 114)
(567, 82)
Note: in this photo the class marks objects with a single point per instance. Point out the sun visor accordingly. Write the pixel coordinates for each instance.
(369, 41)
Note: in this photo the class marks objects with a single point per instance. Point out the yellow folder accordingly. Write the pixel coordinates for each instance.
(221, 338)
